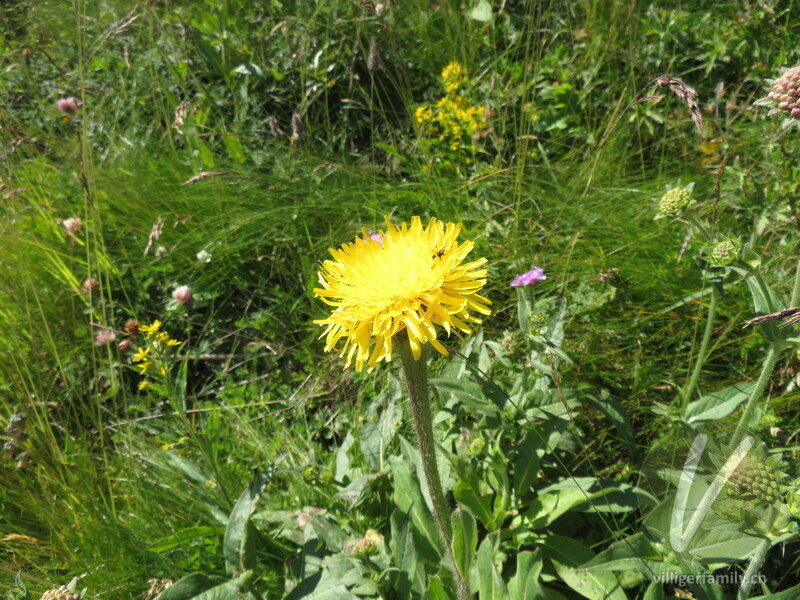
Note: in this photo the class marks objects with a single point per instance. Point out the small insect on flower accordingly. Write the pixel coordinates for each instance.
(439, 254)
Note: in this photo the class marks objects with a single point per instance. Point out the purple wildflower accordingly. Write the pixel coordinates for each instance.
(532, 276)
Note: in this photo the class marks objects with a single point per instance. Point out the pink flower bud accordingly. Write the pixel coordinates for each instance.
(183, 296)
(72, 225)
(68, 105)
(104, 337)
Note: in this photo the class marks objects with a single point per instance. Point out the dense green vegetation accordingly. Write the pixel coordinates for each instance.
(227, 145)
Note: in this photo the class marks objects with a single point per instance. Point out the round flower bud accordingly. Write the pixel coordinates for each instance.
(104, 337)
(725, 252)
(183, 296)
(89, 285)
(72, 225)
(785, 91)
(368, 545)
(476, 446)
(68, 105)
(132, 327)
(124, 345)
(674, 201)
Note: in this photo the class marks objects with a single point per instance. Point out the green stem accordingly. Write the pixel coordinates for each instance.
(696, 222)
(702, 354)
(751, 573)
(761, 384)
(416, 372)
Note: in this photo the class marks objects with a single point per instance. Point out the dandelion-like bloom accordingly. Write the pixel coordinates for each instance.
(416, 280)
(532, 276)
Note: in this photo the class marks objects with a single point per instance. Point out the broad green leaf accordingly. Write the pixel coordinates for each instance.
(465, 540)
(234, 147)
(248, 69)
(408, 498)
(633, 553)
(435, 590)
(765, 301)
(655, 591)
(320, 587)
(206, 156)
(469, 393)
(541, 439)
(469, 495)
(615, 412)
(717, 405)
(490, 583)
(566, 555)
(237, 551)
(404, 558)
(790, 594)
(200, 586)
(524, 585)
(343, 458)
(378, 431)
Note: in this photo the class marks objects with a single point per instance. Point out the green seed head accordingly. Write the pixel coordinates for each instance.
(725, 252)
(755, 479)
(674, 201)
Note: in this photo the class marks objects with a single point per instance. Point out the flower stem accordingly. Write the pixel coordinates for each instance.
(688, 392)
(761, 384)
(751, 573)
(416, 373)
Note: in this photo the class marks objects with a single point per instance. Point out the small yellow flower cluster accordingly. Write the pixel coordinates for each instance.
(452, 118)
(453, 77)
(155, 352)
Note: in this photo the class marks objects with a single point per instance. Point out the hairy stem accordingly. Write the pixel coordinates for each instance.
(688, 392)
(417, 378)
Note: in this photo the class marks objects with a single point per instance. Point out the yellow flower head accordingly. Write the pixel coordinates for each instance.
(152, 328)
(453, 77)
(407, 279)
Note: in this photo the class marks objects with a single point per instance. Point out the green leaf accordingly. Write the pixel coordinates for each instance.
(633, 553)
(435, 590)
(206, 156)
(524, 585)
(717, 405)
(234, 147)
(490, 583)
(468, 494)
(615, 412)
(465, 540)
(393, 151)
(408, 498)
(238, 553)
(655, 591)
(183, 536)
(765, 301)
(202, 587)
(469, 393)
(566, 555)
(538, 441)
(482, 11)
(790, 594)
(404, 558)
(378, 431)
(248, 69)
